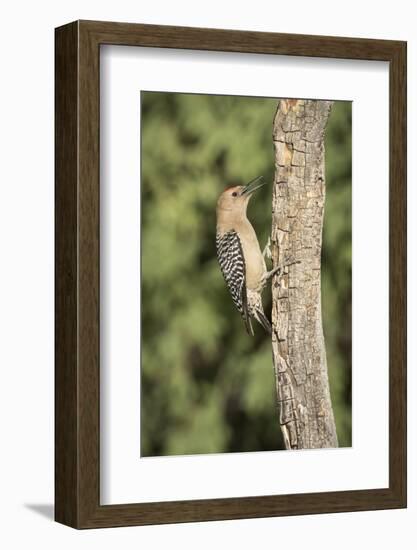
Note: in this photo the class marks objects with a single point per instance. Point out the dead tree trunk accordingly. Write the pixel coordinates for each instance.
(299, 355)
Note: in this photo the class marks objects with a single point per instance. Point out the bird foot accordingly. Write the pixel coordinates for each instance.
(290, 260)
(279, 270)
(275, 271)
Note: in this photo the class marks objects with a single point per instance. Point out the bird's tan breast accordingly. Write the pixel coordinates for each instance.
(254, 261)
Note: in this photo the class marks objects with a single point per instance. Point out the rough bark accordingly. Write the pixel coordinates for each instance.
(299, 355)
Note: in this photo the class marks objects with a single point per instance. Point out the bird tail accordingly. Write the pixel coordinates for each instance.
(256, 310)
(248, 325)
(245, 314)
(262, 319)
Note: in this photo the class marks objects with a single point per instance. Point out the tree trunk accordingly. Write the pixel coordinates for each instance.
(299, 355)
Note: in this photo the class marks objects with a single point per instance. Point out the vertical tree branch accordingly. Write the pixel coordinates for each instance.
(299, 355)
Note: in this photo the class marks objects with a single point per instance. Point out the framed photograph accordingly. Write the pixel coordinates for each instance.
(230, 274)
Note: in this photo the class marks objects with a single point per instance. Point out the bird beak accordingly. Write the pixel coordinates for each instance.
(252, 186)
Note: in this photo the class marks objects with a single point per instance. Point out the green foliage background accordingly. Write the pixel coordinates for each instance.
(206, 386)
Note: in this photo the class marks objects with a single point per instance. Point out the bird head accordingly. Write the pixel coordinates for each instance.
(236, 198)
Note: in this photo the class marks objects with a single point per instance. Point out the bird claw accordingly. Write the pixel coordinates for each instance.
(290, 260)
(279, 270)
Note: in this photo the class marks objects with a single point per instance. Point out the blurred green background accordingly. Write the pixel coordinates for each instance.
(206, 386)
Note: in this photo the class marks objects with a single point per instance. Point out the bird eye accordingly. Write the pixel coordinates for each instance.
(234, 194)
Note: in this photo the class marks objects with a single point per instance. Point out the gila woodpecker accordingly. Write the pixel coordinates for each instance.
(241, 260)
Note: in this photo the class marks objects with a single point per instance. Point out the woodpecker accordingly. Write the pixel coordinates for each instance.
(241, 260)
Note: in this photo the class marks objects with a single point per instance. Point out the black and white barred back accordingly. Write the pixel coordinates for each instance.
(232, 265)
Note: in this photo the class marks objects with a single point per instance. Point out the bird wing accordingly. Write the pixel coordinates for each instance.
(232, 265)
